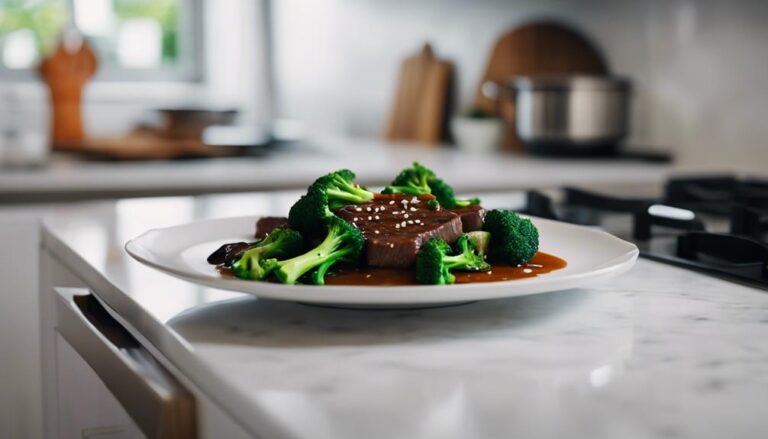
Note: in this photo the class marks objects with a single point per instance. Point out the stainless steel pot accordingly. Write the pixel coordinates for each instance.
(568, 114)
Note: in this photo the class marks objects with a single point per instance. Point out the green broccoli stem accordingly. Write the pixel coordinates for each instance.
(357, 196)
(467, 260)
(447, 275)
(350, 187)
(324, 255)
(318, 277)
(248, 266)
(465, 203)
(460, 261)
(404, 190)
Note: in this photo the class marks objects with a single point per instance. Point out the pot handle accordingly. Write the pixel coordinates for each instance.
(491, 90)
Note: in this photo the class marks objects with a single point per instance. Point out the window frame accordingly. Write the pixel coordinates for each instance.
(190, 68)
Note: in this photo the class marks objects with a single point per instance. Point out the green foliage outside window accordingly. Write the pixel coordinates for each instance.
(46, 18)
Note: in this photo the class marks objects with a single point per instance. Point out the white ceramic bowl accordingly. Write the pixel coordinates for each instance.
(477, 135)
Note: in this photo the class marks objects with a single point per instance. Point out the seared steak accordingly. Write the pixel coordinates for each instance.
(265, 225)
(395, 226)
(472, 217)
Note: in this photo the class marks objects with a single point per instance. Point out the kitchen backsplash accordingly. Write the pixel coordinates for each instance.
(700, 68)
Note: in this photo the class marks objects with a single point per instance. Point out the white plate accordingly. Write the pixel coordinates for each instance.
(181, 251)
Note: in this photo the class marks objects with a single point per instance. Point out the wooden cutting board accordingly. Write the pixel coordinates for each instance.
(419, 112)
(538, 48)
(145, 146)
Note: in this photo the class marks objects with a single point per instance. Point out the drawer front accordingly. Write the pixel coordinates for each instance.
(157, 404)
(87, 409)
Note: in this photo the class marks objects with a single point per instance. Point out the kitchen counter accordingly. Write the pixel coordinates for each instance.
(376, 163)
(657, 352)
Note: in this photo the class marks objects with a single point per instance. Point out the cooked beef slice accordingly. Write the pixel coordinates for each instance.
(472, 217)
(266, 224)
(395, 226)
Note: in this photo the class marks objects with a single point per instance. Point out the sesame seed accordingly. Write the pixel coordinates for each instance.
(376, 232)
(376, 209)
(397, 226)
(358, 209)
(402, 224)
(369, 218)
(392, 202)
(354, 219)
(404, 201)
(377, 217)
(417, 221)
(368, 209)
(395, 213)
(391, 245)
(405, 216)
(367, 276)
(490, 272)
(382, 208)
(415, 200)
(410, 221)
(527, 270)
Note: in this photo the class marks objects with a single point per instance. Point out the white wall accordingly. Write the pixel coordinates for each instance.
(700, 67)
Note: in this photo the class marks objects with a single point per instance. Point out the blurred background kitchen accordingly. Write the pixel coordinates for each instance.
(331, 68)
(124, 98)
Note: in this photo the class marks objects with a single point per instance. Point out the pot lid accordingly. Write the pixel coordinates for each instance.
(569, 82)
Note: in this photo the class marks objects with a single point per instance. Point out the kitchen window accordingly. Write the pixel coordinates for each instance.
(136, 40)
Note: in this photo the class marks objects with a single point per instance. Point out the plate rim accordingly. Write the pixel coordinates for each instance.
(422, 293)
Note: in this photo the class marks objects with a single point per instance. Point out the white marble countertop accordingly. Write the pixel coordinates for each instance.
(657, 352)
(375, 162)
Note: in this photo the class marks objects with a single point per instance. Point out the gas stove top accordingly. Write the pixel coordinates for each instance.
(714, 224)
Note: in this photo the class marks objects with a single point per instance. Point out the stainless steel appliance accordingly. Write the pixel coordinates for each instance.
(569, 115)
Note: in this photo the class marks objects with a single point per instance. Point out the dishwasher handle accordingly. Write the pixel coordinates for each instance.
(156, 401)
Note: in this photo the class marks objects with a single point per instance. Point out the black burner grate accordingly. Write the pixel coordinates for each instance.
(741, 255)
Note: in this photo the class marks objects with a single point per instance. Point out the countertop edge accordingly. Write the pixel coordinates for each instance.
(156, 337)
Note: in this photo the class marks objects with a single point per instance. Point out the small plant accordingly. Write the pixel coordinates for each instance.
(478, 113)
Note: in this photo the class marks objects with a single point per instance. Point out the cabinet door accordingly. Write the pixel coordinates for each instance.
(86, 407)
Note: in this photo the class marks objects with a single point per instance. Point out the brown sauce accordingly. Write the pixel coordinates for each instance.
(541, 263)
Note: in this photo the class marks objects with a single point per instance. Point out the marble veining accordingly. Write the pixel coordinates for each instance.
(658, 352)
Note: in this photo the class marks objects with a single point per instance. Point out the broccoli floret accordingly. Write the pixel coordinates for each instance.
(309, 213)
(445, 196)
(480, 240)
(343, 243)
(253, 263)
(411, 181)
(434, 262)
(341, 189)
(514, 239)
(420, 180)
(328, 192)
